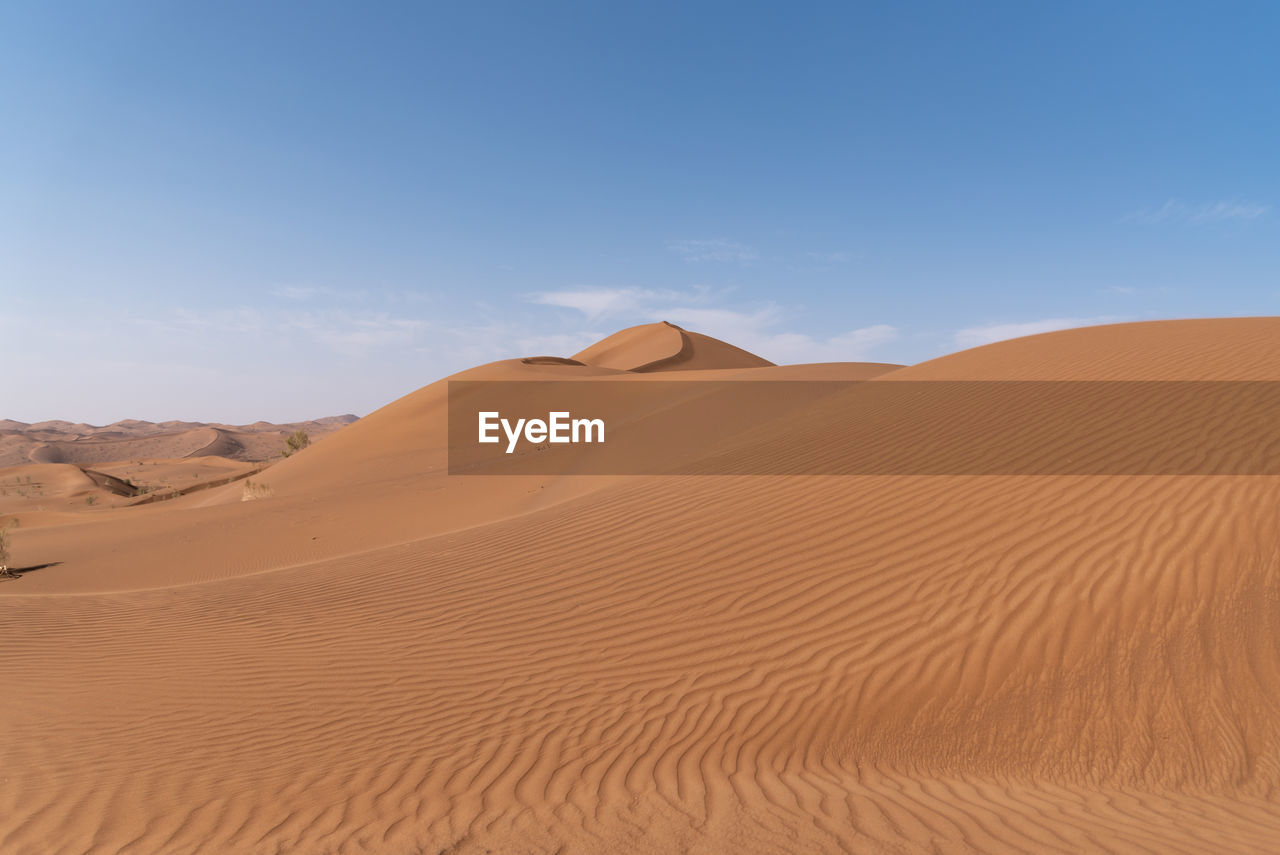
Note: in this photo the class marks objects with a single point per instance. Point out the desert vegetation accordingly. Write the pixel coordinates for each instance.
(295, 442)
(5, 572)
(254, 490)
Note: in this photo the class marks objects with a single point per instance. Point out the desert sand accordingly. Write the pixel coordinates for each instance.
(64, 442)
(351, 650)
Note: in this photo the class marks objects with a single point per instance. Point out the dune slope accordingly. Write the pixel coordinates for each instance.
(666, 347)
(712, 664)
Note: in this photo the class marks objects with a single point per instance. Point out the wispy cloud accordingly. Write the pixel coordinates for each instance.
(824, 262)
(346, 332)
(560, 344)
(297, 292)
(354, 333)
(1135, 290)
(861, 341)
(713, 250)
(1174, 211)
(758, 331)
(1218, 211)
(613, 302)
(830, 257)
(593, 302)
(758, 328)
(986, 334)
(856, 345)
(182, 322)
(323, 293)
(308, 359)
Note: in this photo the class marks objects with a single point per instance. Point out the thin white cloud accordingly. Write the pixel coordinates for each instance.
(411, 297)
(861, 341)
(321, 359)
(723, 323)
(296, 292)
(352, 333)
(986, 334)
(1133, 291)
(593, 302)
(1218, 211)
(755, 328)
(565, 344)
(725, 251)
(612, 302)
(757, 332)
(791, 348)
(1174, 211)
(830, 257)
(241, 320)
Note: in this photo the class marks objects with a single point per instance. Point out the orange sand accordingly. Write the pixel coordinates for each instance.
(365, 654)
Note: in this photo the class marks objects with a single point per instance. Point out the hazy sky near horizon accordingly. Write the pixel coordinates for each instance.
(238, 211)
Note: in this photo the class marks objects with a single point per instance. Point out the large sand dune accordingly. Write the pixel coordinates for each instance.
(365, 654)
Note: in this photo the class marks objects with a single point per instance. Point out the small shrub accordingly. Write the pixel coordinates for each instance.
(295, 442)
(5, 573)
(254, 490)
(90, 500)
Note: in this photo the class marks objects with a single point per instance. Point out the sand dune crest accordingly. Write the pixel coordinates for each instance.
(665, 347)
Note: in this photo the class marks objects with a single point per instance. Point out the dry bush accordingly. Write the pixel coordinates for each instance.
(295, 442)
(254, 490)
(5, 572)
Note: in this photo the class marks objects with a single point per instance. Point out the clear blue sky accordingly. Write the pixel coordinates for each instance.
(232, 211)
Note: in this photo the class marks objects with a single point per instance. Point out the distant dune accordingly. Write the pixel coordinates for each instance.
(352, 651)
(64, 442)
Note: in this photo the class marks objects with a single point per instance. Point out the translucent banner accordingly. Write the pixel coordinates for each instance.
(638, 426)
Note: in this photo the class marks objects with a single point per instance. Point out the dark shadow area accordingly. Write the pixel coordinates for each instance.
(15, 573)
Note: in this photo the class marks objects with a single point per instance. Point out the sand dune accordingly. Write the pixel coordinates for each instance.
(665, 347)
(371, 655)
(1203, 349)
(131, 439)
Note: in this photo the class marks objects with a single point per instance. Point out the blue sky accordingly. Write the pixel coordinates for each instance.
(235, 211)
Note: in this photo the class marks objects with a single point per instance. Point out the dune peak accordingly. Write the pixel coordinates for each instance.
(665, 346)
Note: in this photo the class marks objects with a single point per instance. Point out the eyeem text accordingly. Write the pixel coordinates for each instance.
(559, 427)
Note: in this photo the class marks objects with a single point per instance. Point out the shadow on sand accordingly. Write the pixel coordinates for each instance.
(12, 574)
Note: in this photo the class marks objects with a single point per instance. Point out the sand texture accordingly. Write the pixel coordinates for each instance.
(64, 442)
(353, 651)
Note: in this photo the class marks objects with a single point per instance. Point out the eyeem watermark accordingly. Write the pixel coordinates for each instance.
(875, 427)
(559, 427)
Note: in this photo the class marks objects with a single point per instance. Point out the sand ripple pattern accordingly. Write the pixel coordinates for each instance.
(928, 664)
